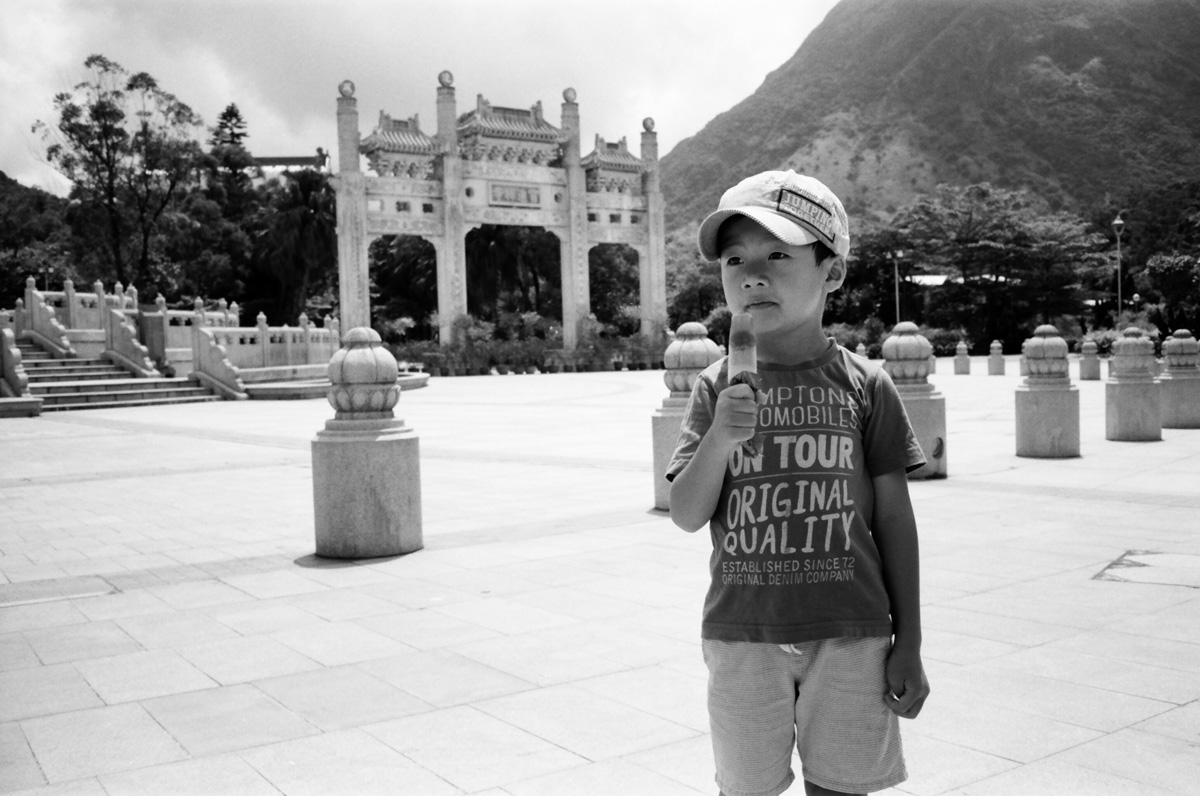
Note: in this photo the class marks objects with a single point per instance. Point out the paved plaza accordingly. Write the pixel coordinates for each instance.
(165, 628)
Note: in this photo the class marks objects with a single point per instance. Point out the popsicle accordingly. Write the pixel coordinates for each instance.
(742, 355)
(743, 363)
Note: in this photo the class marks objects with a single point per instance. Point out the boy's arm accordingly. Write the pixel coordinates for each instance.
(895, 532)
(697, 488)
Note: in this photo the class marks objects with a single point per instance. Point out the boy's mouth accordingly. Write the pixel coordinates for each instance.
(759, 305)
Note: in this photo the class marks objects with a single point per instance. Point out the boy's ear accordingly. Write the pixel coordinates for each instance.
(836, 274)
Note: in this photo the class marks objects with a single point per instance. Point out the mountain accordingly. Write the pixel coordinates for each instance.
(1074, 100)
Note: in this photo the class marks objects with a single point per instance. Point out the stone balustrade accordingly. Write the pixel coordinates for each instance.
(263, 346)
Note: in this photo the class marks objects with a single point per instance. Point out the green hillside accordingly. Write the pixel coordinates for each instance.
(1071, 99)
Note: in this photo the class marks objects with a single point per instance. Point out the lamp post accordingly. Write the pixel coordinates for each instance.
(895, 257)
(1118, 225)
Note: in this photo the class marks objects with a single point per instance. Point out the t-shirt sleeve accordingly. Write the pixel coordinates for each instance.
(888, 438)
(697, 419)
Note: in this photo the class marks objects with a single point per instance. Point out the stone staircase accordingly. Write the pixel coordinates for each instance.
(99, 384)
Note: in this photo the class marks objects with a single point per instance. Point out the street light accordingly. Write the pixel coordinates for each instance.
(895, 257)
(1118, 225)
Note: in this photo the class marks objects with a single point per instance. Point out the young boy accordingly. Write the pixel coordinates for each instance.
(812, 626)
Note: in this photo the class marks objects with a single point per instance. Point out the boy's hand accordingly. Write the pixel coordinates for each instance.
(906, 679)
(736, 415)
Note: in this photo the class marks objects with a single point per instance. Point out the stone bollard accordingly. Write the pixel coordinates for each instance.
(996, 359)
(1089, 362)
(962, 360)
(689, 353)
(366, 463)
(1181, 381)
(906, 360)
(861, 350)
(1132, 396)
(1047, 402)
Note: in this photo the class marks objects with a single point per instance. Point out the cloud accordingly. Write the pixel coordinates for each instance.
(679, 61)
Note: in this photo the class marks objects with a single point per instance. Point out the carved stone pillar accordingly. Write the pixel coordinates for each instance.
(1132, 396)
(996, 359)
(1089, 362)
(1181, 381)
(906, 359)
(962, 360)
(366, 463)
(1047, 402)
(688, 354)
(576, 297)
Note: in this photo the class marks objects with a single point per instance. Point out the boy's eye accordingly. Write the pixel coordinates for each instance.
(734, 260)
(777, 256)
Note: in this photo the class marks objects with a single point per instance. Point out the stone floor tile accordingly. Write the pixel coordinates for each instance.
(609, 776)
(199, 594)
(333, 644)
(444, 678)
(416, 593)
(497, 581)
(95, 742)
(226, 719)
(1006, 629)
(116, 606)
(240, 660)
(623, 641)
(79, 787)
(689, 762)
(142, 675)
(425, 630)
(937, 767)
(1101, 672)
(656, 690)
(15, 653)
(350, 575)
(504, 615)
(341, 697)
(347, 761)
(539, 658)
(950, 647)
(1181, 722)
(175, 629)
(336, 605)
(471, 749)
(1056, 777)
(222, 775)
(570, 602)
(256, 618)
(77, 642)
(18, 767)
(39, 616)
(268, 585)
(953, 716)
(611, 729)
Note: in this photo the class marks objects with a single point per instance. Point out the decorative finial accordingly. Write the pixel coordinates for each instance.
(346, 88)
(446, 78)
(569, 94)
(648, 124)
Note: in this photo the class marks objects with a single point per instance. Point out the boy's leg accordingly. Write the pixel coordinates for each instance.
(751, 707)
(849, 740)
(816, 790)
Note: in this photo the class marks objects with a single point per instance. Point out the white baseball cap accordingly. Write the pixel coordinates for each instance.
(795, 208)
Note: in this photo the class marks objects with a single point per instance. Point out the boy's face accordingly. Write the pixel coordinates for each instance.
(781, 285)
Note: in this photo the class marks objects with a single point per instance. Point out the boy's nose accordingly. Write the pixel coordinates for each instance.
(751, 281)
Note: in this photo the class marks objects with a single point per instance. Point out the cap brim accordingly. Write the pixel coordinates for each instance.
(779, 226)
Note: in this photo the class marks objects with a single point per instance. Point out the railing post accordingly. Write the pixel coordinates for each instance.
(223, 308)
(19, 321)
(69, 312)
(235, 314)
(264, 335)
(303, 320)
(101, 307)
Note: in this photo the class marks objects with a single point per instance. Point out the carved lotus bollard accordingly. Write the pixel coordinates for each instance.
(687, 355)
(1132, 395)
(1047, 403)
(1089, 362)
(1181, 381)
(907, 360)
(366, 462)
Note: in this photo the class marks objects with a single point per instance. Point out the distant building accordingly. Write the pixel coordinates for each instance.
(494, 165)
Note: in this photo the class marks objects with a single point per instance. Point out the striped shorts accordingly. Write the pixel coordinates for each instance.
(827, 696)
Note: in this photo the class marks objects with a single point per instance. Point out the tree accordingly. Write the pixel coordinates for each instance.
(613, 286)
(403, 282)
(295, 255)
(693, 284)
(32, 238)
(129, 149)
(1173, 282)
(230, 129)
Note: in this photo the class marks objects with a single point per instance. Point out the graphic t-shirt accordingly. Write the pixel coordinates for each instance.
(793, 557)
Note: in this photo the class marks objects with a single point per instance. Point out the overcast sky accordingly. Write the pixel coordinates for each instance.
(678, 61)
